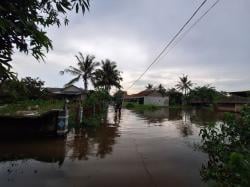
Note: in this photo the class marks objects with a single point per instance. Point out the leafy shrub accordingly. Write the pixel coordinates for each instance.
(228, 147)
(136, 106)
(14, 90)
(206, 94)
(130, 105)
(95, 107)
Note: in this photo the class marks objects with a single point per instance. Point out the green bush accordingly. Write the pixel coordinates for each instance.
(14, 90)
(228, 148)
(136, 106)
(130, 105)
(95, 107)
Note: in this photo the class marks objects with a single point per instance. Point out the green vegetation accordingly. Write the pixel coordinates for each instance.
(108, 76)
(162, 90)
(23, 24)
(95, 107)
(228, 147)
(15, 90)
(175, 97)
(136, 106)
(39, 106)
(205, 94)
(184, 85)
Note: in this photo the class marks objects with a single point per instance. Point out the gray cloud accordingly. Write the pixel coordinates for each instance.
(133, 32)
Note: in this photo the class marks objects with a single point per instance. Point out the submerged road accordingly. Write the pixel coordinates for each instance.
(134, 149)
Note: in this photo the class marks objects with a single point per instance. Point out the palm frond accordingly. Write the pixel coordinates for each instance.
(76, 79)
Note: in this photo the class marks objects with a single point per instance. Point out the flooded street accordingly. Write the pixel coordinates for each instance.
(134, 149)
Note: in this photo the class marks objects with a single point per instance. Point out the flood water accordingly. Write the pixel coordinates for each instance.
(133, 149)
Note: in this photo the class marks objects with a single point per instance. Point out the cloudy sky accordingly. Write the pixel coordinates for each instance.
(133, 32)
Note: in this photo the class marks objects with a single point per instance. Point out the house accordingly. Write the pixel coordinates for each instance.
(69, 92)
(148, 96)
(241, 93)
(232, 103)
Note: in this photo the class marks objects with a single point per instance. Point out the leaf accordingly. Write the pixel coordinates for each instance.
(77, 7)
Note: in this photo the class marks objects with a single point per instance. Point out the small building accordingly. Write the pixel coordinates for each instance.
(241, 93)
(69, 92)
(232, 103)
(150, 97)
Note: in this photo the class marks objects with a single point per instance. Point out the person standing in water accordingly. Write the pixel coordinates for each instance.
(118, 99)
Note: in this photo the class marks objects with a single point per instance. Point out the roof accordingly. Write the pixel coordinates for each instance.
(144, 93)
(234, 99)
(69, 90)
(241, 93)
(53, 90)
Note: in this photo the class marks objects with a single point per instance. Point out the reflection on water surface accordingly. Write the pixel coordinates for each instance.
(145, 148)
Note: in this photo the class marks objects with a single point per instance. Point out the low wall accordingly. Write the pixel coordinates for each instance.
(45, 124)
(229, 107)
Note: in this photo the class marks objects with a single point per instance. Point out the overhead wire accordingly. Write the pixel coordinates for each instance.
(191, 27)
(169, 43)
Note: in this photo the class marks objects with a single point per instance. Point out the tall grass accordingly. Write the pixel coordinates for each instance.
(136, 106)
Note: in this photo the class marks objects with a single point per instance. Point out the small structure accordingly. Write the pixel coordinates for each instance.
(241, 93)
(148, 96)
(69, 92)
(51, 123)
(232, 103)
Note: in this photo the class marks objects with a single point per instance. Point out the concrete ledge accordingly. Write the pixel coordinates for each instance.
(45, 124)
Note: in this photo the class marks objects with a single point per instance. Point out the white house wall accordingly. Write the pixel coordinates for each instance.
(158, 101)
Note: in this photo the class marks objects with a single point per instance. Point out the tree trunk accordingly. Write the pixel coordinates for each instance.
(184, 97)
(85, 84)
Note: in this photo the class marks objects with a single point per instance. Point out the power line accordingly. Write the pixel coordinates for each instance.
(191, 27)
(171, 41)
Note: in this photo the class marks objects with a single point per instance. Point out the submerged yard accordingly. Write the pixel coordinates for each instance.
(37, 106)
(142, 148)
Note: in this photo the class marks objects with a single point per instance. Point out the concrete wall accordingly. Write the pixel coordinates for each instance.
(46, 124)
(156, 100)
(229, 107)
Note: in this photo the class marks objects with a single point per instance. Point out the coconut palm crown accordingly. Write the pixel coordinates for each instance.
(108, 76)
(184, 85)
(85, 70)
(162, 90)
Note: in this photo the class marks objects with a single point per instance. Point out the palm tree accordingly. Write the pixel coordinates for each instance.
(162, 90)
(184, 85)
(149, 86)
(85, 70)
(107, 76)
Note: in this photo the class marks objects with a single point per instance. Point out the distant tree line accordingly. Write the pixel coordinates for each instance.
(185, 93)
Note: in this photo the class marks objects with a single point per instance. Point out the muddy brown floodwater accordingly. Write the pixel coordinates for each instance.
(135, 149)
